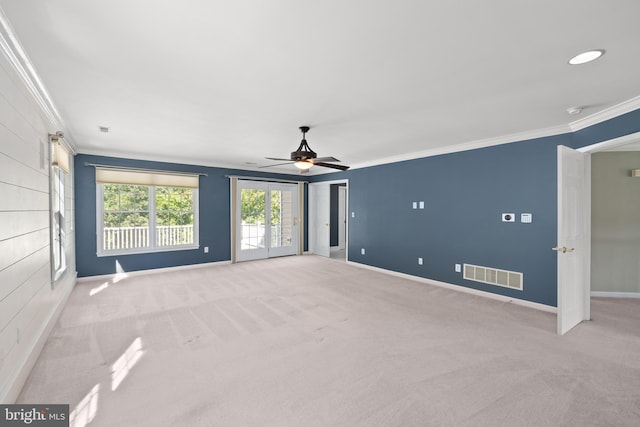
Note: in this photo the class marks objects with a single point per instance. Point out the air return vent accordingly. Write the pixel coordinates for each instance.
(493, 276)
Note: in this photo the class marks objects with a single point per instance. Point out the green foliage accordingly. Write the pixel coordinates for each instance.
(276, 206)
(128, 205)
(253, 206)
(174, 206)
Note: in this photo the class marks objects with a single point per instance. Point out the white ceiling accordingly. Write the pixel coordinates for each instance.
(228, 82)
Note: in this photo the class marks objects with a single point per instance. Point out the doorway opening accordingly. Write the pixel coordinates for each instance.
(338, 221)
(615, 217)
(328, 219)
(574, 297)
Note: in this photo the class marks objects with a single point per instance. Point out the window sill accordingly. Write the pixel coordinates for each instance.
(139, 251)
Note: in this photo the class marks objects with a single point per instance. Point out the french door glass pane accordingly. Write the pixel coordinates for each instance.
(252, 219)
(281, 218)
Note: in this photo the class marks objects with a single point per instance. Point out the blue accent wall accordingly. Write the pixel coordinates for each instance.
(464, 195)
(214, 217)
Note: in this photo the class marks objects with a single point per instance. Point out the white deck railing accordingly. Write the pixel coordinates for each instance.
(252, 236)
(114, 238)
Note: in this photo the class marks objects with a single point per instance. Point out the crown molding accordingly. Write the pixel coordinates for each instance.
(593, 119)
(606, 114)
(26, 72)
(472, 145)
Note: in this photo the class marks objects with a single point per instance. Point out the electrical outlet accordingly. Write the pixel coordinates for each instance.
(458, 268)
(353, 214)
(419, 261)
(206, 249)
(362, 251)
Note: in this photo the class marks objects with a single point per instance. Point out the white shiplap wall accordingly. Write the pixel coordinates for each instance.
(29, 306)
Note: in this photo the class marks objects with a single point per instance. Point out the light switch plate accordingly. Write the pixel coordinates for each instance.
(421, 205)
(415, 205)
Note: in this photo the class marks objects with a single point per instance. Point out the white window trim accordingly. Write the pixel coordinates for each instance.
(152, 225)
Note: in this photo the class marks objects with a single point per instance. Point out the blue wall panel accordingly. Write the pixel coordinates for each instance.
(464, 194)
(214, 218)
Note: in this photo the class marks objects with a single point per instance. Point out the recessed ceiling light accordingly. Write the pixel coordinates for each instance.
(575, 110)
(585, 57)
(103, 129)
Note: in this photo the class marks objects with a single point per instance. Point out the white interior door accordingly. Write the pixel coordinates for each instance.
(319, 214)
(572, 247)
(266, 220)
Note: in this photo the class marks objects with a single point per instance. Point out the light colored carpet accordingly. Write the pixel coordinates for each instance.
(308, 341)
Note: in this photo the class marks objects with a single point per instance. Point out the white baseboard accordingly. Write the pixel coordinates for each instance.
(615, 294)
(524, 303)
(150, 271)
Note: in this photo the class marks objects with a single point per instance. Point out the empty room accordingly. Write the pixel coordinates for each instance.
(296, 213)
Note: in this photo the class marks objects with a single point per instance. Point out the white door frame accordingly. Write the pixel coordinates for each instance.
(313, 223)
(267, 251)
(342, 217)
(590, 149)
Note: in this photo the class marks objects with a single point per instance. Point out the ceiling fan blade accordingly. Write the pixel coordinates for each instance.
(277, 164)
(330, 165)
(276, 158)
(324, 159)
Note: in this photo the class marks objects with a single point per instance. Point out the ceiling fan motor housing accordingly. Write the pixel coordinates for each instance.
(302, 155)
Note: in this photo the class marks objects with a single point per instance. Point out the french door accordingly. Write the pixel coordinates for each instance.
(267, 220)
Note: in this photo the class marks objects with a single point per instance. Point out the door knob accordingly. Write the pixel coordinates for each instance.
(563, 249)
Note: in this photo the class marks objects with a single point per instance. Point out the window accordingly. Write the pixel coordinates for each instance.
(125, 217)
(58, 240)
(135, 218)
(57, 175)
(174, 216)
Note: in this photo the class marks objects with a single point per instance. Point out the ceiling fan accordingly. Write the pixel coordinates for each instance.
(304, 157)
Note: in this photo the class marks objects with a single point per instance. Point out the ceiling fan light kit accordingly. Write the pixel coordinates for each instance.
(302, 165)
